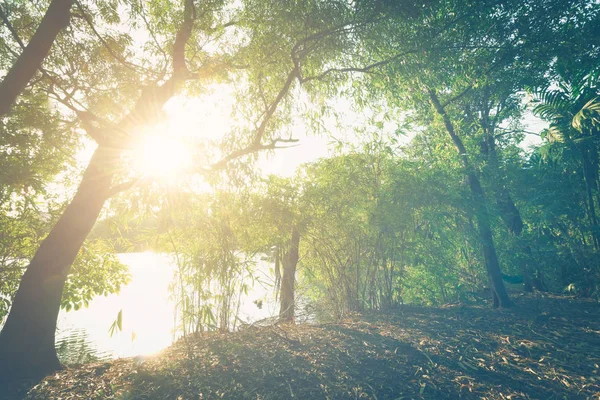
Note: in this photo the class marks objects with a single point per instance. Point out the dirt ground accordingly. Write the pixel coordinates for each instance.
(547, 347)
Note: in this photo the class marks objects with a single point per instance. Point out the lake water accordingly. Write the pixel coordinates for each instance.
(148, 313)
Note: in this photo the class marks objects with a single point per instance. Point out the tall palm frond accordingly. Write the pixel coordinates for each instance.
(589, 113)
(573, 109)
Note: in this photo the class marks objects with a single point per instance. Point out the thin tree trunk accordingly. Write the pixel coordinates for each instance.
(512, 219)
(508, 210)
(288, 278)
(499, 295)
(56, 18)
(27, 339)
(590, 183)
(277, 271)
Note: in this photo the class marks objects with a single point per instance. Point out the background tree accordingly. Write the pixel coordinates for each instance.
(279, 223)
(456, 54)
(573, 112)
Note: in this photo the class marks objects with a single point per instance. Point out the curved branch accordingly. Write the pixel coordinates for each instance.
(364, 69)
(260, 132)
(183, 36)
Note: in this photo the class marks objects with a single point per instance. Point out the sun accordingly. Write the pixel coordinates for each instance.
(161, 156)
(180, 142)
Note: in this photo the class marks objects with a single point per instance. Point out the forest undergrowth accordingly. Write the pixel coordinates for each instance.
(546, 347)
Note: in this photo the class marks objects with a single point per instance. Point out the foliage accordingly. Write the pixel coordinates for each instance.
(37, 155)
(380, 224)
(572, 144)
(203, 234)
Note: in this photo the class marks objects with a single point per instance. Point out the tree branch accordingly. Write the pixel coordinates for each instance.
(55, 19)
(260, 132)
(252, 148)
(121, 187)
(89, 22)
(183, 35)
(364, 69)
(152, 99)
(462, 152)
(11, 29)
(457, 97)
(94, 126)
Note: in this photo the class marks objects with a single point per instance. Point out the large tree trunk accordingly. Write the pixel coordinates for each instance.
(499, 295)
(27, 339)
(288, 278)
(56, 18)
(277, 252)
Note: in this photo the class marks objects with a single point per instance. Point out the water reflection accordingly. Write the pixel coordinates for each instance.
(76, 348)
(149, 316)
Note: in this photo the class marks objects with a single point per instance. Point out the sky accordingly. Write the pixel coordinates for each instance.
(209, 117)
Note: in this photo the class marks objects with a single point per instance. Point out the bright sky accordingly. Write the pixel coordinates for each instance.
(284, 162)
(192, 119)
(532, 123)
(209, 118)
(192, 122)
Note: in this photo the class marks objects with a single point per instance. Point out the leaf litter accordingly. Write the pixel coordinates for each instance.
(547, 347)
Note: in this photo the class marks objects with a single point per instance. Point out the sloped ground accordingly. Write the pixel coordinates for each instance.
(546, 348)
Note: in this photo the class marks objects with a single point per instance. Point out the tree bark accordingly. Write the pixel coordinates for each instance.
(508, 210)
(499, 295)
(514, 224)
(590, 183)
(56, 18)
(277, 271)
(27, 339)
(288, 278)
